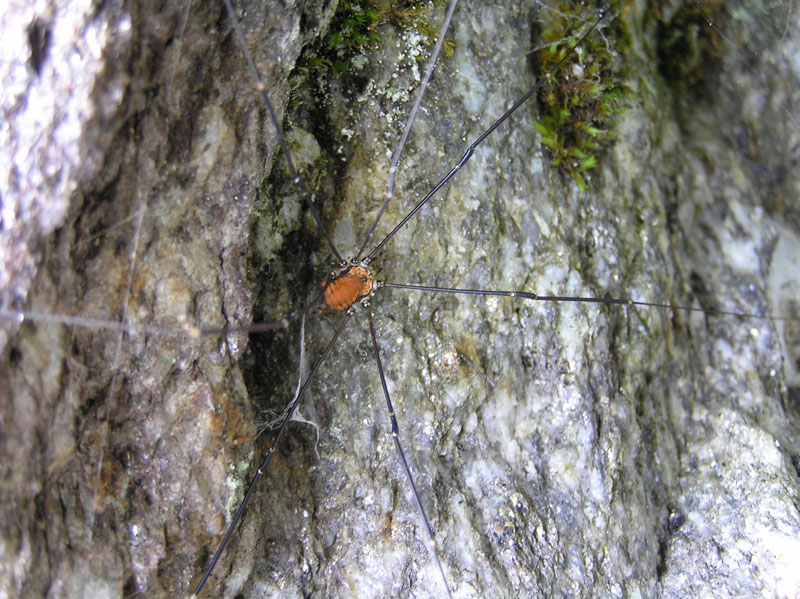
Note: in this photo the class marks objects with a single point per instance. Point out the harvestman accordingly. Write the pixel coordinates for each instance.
(354, 283)
(160, 330)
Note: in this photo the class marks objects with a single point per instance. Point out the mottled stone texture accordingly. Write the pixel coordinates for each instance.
(561, 450)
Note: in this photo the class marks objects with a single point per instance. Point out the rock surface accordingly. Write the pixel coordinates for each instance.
(561, 450)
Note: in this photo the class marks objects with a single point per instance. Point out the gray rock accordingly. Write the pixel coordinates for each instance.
(560, 450)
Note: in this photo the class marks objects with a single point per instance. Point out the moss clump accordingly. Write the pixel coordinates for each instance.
(355, 28)
(577, 106)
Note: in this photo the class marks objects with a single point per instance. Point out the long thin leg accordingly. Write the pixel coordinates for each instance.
(262, 327)
(262, 468)
(396, 438)
(583, 300)
(259, 83)
(112, 387)
(126, 326)
(412, 116)
(473, 146)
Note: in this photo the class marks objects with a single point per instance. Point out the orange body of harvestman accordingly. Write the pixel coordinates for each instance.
(351, 284)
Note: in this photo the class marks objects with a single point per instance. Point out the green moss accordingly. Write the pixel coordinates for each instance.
(354, 30)
(578, 105)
